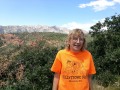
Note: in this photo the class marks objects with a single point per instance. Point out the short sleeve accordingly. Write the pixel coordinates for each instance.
(92, 66)
(56, 67)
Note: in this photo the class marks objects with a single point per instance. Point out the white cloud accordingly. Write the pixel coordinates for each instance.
(117, 1)
(96, 21)
(100, 5)
(84, 26)
(102, 20)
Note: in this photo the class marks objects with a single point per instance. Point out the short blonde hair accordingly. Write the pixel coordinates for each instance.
(76, 32)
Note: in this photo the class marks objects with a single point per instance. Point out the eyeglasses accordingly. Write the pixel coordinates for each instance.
(77, 38)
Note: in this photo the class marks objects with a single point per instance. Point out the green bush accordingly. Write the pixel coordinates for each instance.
(105, 48)
(1, 42)
(37, 62)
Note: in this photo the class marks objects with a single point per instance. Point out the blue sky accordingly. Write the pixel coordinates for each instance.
(67, 13)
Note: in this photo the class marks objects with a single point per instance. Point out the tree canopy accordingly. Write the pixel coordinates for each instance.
(105, 48)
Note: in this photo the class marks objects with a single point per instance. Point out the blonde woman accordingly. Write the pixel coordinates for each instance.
(74, 65)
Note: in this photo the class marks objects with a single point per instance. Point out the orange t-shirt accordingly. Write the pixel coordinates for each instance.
(74, 69)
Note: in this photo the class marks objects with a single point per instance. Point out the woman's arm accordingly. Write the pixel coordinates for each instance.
(90, 82)
(56, 81)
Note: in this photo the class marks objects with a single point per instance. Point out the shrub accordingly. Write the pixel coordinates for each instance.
(31, 69)
(1, 42)
(105, 48)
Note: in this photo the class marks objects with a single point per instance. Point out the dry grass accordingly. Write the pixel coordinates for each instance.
(96, 86)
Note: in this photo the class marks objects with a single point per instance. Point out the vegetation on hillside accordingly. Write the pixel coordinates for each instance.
(26, 58)
(105, 48)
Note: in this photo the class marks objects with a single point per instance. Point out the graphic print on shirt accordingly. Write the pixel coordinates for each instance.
(74, 71)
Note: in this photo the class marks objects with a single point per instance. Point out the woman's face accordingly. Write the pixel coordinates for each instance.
(76, 43)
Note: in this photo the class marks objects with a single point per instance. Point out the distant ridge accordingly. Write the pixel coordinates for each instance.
(32, 28)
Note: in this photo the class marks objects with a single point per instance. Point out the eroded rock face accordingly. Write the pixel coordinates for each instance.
(37, 28)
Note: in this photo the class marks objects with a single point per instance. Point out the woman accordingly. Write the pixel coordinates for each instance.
(73, 66)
